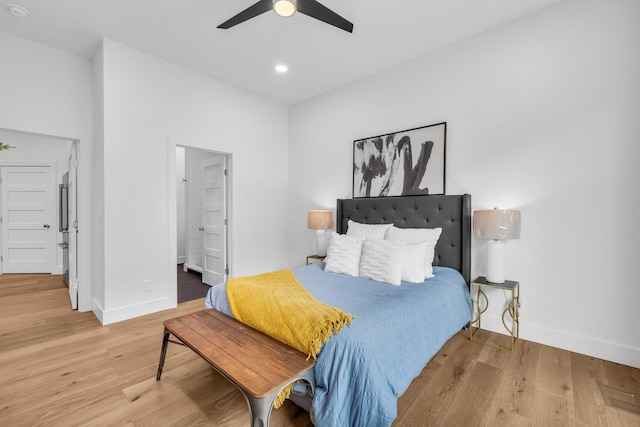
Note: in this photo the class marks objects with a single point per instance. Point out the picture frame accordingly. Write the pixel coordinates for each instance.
(409, 162)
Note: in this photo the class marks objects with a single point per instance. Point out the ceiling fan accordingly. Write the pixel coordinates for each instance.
(287, 8)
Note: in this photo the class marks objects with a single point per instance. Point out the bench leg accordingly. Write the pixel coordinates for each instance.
(163, 353)
(260, 408)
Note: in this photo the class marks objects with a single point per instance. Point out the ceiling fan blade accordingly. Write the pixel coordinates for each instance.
(251, 12)
(315, 10)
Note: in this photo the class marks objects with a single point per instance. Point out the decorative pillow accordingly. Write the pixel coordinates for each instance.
(382, 261)
(417, 235)
(343, 255)
(367, 231)
(413, 264)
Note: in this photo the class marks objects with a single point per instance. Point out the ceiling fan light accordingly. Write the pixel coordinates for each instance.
(284, 8)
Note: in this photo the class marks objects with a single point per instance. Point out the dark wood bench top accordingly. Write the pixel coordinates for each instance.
(252, 360)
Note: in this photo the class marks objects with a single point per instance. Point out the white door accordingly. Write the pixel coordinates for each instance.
(73, 227)
(214, 216)
(28, 219)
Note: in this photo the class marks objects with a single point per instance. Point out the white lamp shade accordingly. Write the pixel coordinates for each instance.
(319, 219)
(496, 224)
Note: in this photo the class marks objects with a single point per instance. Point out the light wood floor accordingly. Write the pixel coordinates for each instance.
(62, 368)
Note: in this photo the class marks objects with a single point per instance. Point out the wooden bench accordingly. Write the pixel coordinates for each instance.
(257, 364)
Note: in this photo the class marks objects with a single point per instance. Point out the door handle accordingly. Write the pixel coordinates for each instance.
(47, 226)
(200, 228)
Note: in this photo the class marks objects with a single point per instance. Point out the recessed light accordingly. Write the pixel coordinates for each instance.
(18, 11)
(281, 68)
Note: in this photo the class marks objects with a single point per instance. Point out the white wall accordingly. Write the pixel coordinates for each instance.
(542, 116)
(48, 92)
(150, 106)
(98, 181)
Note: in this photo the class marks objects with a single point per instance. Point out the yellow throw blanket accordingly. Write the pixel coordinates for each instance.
(277, 304)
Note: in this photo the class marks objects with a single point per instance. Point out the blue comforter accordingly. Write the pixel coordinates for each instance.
(362, 371)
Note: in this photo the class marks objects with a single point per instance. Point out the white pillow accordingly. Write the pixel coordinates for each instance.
(413, 264)
(343, 255)
(367, 231)
(417, 235)
(382, 261)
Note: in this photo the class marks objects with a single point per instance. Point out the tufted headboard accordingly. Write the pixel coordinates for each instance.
(452, 213)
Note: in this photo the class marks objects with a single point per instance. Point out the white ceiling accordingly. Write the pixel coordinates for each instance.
(320, 57)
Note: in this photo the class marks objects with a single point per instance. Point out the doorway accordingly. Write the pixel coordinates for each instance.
(31, 237)
(202, 200)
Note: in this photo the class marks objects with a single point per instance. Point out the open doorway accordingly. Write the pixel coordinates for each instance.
(202, 192)
(39, 226)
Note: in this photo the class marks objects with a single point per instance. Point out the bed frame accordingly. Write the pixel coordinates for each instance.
(452, 213)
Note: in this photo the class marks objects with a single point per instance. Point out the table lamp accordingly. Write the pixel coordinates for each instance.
(320, 220)
(497, 225)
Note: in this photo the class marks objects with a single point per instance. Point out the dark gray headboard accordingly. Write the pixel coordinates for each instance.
(452, 213)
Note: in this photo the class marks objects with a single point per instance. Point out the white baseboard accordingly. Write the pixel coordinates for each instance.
(181, 259)
(589, 346)
(98, 310)
(129, 312)
(193, 268)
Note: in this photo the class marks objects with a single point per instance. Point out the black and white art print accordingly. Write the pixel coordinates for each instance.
(411, 162)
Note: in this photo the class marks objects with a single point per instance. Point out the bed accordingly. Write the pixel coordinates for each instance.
(361, 371)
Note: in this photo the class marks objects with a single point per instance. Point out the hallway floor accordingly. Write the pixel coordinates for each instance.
(190, 285)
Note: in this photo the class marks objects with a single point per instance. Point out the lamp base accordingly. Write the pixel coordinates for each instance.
(321, 243)
(495, 262)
